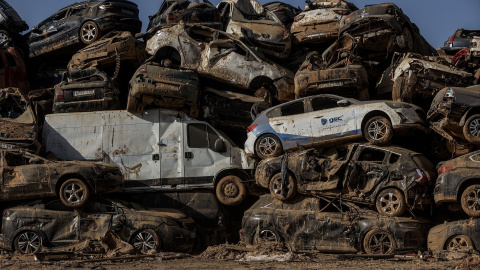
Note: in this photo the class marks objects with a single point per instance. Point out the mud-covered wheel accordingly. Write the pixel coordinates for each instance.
(230, 190)
(397, 89)
(268, 146)
(391, 202)
(379, 241)
(28, 242)
(405, 40)
(470, 201)
(74, 193)
(4, 37)
(459, 243)
(146, 241)
(89, 32)
(283, 192)
(471, 129)
(266, 235)
(378, 130)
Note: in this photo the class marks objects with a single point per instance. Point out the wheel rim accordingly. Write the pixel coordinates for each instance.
(28, 242)
(267, 146)
(231, 190)
(3, 38)
(89, 32)
(458, 243)
(277, 187)
(144, 241)
(268, 236)
(472, 199)
(380, 243)
(390, 203)
(474, 128)
(73, 193)
(377, 130)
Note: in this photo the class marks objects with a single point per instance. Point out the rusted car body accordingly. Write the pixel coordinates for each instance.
(320, 21)
(154, 85)
(250, 22)
(283, 11)
(217, 55)
(334, 226)
(29, 227)
(454, 236)
(392, 178)
(113, 48)
(18, 120)
(86, 90)
(81, 24)
(11, 23)
(13, 72)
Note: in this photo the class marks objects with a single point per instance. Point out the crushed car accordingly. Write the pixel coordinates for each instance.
(13, 71)
(319, 22)
(219, 56)
(11, 24)
(461, 235)
(29, 227)
(155, 85)
(330, 225)
(82, 23)
(393, 179)
(459, 40)
(18, 120)
(283, 11)
(324, 120)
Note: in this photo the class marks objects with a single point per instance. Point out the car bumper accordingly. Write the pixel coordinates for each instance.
(108, 103)
(249, 147)
(315, 33)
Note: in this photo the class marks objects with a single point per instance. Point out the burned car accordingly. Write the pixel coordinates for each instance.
(160, 86)
(459, 235)
(86, 90)
(283, 11)
(10, 22)
(320, 21)
(391, 178)
(29, 227)
(107, 52)
(18, 120)
(13, 72)
(249, 21)
(217, 55)
(324, 120)
(28, 176)
(319, 224)
(82, 23)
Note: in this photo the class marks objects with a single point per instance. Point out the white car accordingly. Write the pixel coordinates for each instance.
(325, 119)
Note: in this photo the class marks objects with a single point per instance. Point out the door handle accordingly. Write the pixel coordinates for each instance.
(161, 144)
(188, 155)
(318, 116)
(155, 157)
(278, 124)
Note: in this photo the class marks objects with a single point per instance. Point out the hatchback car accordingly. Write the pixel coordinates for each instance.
(10, 22)
(328, 119)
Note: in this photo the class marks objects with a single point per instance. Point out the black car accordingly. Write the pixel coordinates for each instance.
(82, 23)
(391, 178)
(26, 228)
(10, 22)
(459, 40)
(318, 224)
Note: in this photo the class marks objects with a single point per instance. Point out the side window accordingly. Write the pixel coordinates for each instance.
(292, 109)
(393, 158)
(197, 136)
(323, 103)
(13, 159)
(10, 60)
(370, 154)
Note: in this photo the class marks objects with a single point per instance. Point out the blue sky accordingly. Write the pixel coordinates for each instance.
(437, 19)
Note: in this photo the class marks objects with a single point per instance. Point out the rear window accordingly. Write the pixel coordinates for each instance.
(424, 163)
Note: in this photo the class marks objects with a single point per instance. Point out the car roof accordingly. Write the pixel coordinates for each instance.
(354, 101)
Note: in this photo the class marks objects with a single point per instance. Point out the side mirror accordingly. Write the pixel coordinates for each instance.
(219, 146)
(343, 103)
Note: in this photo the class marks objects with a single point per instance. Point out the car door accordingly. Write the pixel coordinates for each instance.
(290, 124)
(171, 150)
(59, 222)
(96, 219)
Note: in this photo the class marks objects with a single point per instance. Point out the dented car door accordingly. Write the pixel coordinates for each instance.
(96, 220)
(370, 170)
(59, 222)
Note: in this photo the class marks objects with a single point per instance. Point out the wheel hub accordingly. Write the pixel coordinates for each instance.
(231, 190)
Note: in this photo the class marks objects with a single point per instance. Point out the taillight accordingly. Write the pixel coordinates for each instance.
(342, 11)
(107, 7)
(299, 17)
(423, 177)
(59, 93)
(449, 93)
(250, 128)
(278, 10)
(450, 40)
(446, 168)
(216, 16)
(170, 17)
(7, 213)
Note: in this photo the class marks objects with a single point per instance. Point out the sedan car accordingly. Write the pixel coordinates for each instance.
(328, 119)
(11, 23)
(29, 227)
(82, 23)
(459, 235)
(334, 226)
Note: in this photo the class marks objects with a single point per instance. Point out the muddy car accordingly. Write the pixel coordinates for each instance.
(333, 226)
(324, 120)
(284, 12)
(18, 120)
(82, 24)
(155, 85)
(13, 72)
(459, 235)
(220, 56)
(29, 227)
(391, 178)
(459, 40)
(106, 53)
(10, 23)
(320, 21)
(28, 176)
(249, 21)
(86, 90)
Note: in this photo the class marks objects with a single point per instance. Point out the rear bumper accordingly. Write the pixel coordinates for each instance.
(108, 103)
(315, 33)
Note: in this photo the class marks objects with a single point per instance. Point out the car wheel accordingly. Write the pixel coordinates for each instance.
(268, 146)
(405, 40)
(146, 241)
(378, 130)
(4, 37)
(266, 235)
(391, 202)
(379, 242)
(28, 242)
(470, 201)
(459, 243)
(283, 192)
(89, 32)
(74, 193)
(471, 129)
(230, 190)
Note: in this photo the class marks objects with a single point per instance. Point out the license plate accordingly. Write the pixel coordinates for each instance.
(129, 12)
(332, 84)
(83, 93)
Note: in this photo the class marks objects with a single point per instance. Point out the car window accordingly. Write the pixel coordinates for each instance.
(423, 163)
(16, 159)
(55, 18)
(370, 154)
(394, 158)
(58, 206)
(201, 136)
(212, 138)
(289, 109)
(323, 103)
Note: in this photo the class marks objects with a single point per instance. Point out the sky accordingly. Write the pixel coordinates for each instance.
(436, 19)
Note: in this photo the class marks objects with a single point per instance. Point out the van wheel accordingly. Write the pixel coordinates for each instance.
(378, 130)
(471, 129)
(267, 146)
(74, 193)
(230, 190)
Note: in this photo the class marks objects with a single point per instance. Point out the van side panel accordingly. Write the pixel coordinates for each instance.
(171, 149)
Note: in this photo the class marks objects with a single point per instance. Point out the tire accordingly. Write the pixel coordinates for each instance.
(4, 37)
(230, 190)
(379, 242)
(378, 130)
(471, 129)
(469, 201)
(405, 40)
(266, 235)
(267, 146)
(290, 189)
(89, 32)
(74, 193)
(146, 241)
(459, 243)
(391, 202)
(28, 242)
(397, 89)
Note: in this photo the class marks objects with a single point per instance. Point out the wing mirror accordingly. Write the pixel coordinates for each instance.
(219, 146)
(343, 103)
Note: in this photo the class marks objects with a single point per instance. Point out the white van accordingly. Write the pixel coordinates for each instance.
(161, 150)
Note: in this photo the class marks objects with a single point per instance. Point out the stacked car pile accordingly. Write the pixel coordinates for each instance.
(157, 113)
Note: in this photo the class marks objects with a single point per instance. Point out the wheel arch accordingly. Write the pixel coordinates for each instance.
(166, 50)
(25, 229)
(259, 80)
(466, 115)
(463, 184)
(372, 114)
(457, 233)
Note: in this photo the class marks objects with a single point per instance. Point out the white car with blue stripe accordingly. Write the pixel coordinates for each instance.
(326, 119)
